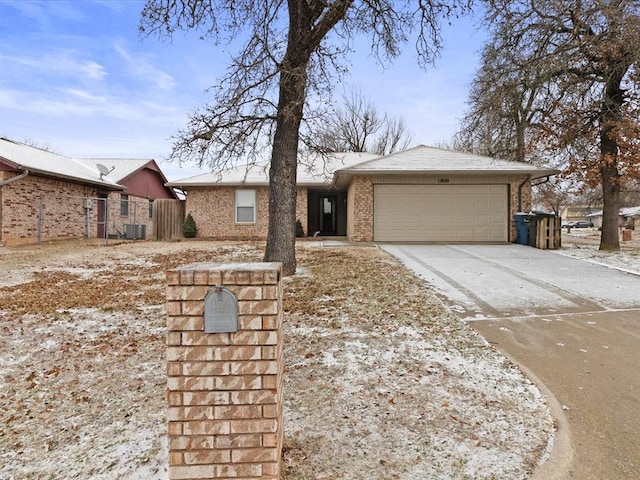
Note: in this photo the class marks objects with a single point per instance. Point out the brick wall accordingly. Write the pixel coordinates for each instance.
(62, 206)
(213, 209)
(360, 209)
(516, 203)
(63, 213)
(225, 390)
(302, 209)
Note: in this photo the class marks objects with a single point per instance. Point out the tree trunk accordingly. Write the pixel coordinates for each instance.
(281, 239)
(610, 237)
(303, 38)
(612, 104)
(520, 141)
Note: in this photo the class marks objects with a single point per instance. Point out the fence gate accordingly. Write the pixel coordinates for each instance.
(168, 218)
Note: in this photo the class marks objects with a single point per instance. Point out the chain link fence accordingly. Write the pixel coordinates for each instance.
(91, 217)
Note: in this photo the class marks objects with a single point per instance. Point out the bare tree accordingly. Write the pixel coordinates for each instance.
(570, 88)
(32, 143)
(504, 103)
(358, 126)
(552, 194)
(292, 48)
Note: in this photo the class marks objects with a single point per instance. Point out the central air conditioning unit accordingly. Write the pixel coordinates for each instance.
(134, 231)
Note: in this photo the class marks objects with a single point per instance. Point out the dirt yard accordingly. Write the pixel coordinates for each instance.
(381, 381)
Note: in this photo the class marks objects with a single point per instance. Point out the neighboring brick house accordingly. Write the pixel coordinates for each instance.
(44, 195)
(422, 194)
(47, 196)
(130, 212)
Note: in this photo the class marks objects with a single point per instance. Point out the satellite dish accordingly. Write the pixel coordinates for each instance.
(104, 170)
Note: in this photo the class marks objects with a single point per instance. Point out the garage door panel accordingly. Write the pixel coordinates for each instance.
(441, 213)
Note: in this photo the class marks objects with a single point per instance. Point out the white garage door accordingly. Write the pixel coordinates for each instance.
(440, 213)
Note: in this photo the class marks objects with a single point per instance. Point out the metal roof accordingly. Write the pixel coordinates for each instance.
(36, 160)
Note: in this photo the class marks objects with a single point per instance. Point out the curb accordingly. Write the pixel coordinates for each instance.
(558, 461)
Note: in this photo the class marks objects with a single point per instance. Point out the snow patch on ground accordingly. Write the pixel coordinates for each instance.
(407, 407)
(626, 261)
(377, 386)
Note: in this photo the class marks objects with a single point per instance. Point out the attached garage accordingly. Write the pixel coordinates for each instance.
(428, 194)
(441, 213)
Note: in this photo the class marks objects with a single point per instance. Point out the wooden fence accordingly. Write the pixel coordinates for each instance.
(168, 219)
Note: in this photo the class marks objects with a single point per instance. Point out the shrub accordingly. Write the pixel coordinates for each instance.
(299, 229)
(189, 229)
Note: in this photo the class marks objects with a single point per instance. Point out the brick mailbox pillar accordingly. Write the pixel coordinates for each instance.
(225, 389)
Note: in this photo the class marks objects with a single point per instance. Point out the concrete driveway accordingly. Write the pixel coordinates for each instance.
(575, 325)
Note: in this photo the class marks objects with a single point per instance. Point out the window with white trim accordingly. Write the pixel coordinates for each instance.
(245, 206)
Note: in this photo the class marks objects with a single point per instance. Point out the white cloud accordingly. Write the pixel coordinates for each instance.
(45, 12)
(75, 102)
(56, 62)
(12, 99)
(84, 95)
(93, 70)
(142, 67)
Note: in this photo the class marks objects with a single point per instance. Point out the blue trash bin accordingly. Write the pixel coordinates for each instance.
(522, 228)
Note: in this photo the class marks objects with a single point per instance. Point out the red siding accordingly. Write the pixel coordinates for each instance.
(146, 183)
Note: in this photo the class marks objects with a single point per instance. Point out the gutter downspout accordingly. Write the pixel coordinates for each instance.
(528, 179)
(14, 179)
(546, 180)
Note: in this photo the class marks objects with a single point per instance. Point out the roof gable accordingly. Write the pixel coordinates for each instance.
(122, 167)
(141, 177)
(423, 159)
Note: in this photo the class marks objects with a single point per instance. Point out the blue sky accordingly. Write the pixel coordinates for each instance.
(76, 77)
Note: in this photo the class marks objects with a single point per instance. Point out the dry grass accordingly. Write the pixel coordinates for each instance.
(381, 381)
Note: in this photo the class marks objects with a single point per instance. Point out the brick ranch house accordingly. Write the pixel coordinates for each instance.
(44, 195)
(422, 194)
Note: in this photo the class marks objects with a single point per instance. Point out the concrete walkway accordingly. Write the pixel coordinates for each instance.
(572, 324)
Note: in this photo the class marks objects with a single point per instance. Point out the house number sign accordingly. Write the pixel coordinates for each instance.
(220, 311)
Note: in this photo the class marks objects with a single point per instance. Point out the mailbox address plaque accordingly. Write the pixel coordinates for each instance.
(220, 311)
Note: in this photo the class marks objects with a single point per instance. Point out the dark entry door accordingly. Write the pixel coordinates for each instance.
(327, 212)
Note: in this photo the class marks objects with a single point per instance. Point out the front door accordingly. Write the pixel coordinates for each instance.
(327, 214)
